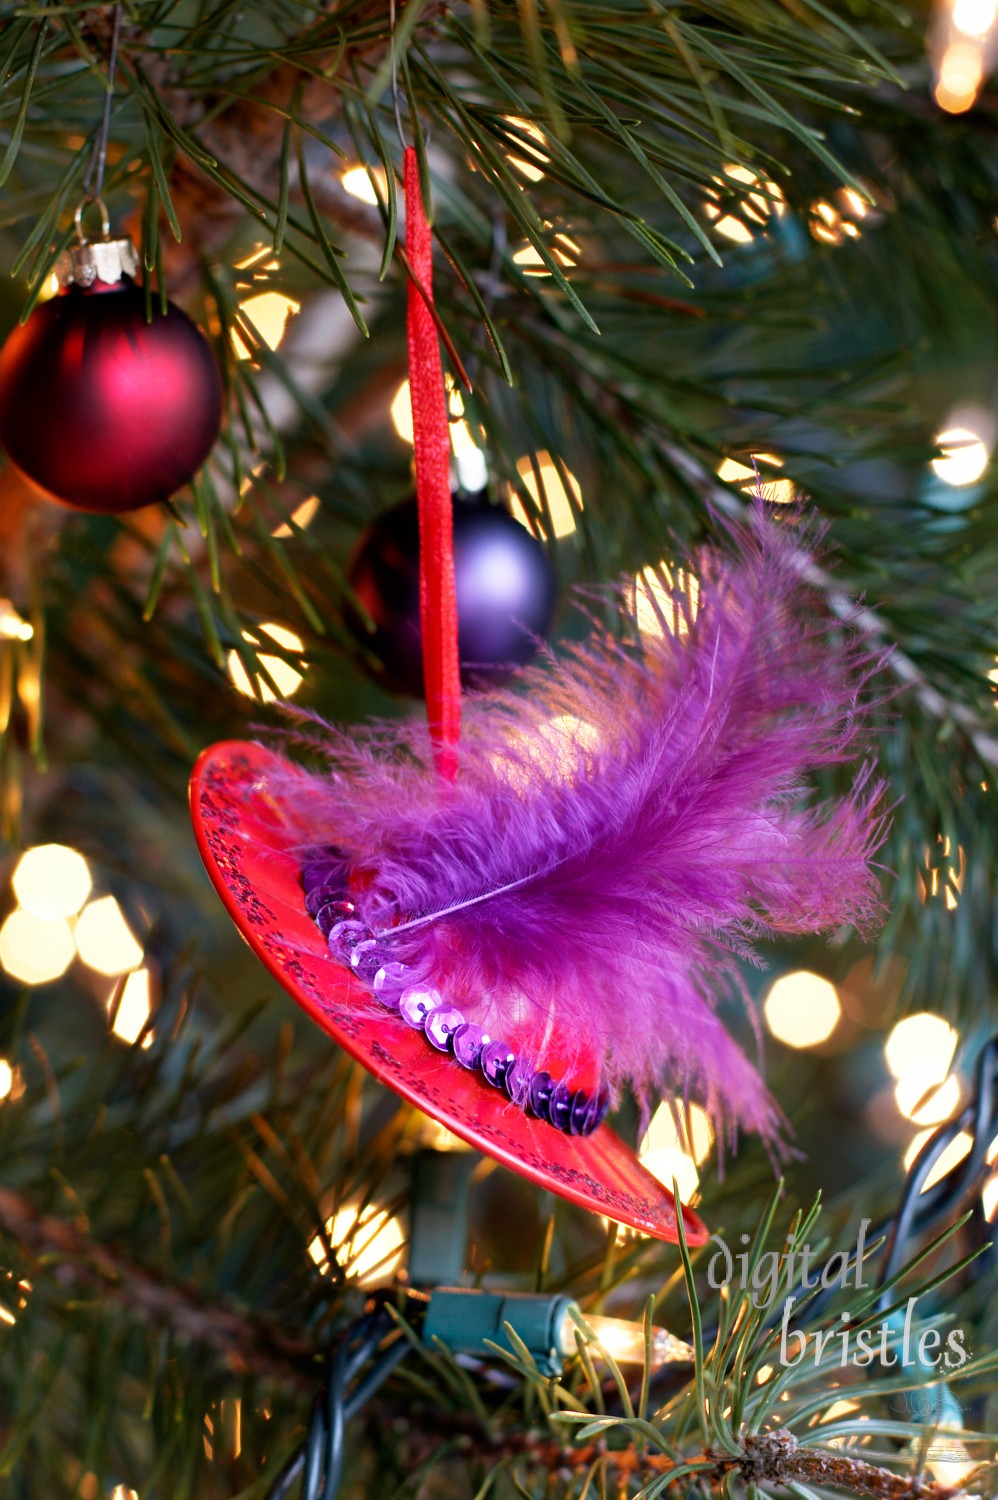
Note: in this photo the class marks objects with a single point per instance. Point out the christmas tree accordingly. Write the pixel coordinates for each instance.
(701, 275)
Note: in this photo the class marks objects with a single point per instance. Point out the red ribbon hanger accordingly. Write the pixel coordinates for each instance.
(431, 441)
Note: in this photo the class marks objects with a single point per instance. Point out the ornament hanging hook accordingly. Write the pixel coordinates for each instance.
(92, 201)
(404, 141)
(94, 180)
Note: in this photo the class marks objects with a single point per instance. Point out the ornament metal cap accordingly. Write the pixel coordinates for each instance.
(106, 259)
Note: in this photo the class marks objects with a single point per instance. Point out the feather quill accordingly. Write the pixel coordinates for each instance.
(626, 825)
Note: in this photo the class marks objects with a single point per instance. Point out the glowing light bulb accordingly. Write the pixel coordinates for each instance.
(750, 480)
(802, 1009)
(35, 949)
(12, 626)
(694, 1134)
(287, 679)
(625, 1342)
(974, 17)
(964, 456)
(961, 72)
(6, 1079)
(666, 600)
(924, 1101)
(303, 515)
(671, 1165)
(52, 880)
(104, 940)
(357, 182)
(563, 500)
(954, 1153)
(531, 165)
(921, 1042)
(368, 1244)
(134, 1006)
(269, 313)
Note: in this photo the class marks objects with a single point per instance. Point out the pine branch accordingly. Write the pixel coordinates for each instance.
(242, 1342)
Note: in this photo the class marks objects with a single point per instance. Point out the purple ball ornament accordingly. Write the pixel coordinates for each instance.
(505, 593)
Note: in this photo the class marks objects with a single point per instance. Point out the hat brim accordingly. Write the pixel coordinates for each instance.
(247, 850)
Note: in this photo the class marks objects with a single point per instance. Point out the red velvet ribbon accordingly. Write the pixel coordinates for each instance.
(431, 438)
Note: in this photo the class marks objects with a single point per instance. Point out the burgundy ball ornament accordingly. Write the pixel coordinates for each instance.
(98, 407)
(505, 592)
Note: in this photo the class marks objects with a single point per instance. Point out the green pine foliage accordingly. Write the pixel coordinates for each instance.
(158, 1204)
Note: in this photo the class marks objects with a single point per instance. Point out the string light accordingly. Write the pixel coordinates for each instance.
(269, 313)
(666, 600)
(531, 165)
(563, 250)
(468, 456)
(954, 1153)
(104, 940)
(964, 456)
(12, 626)
(828, 226)
(758, 207)
(961, 73)
(368, 1244)
(802, 1009)
(52, 880)
(554, 490)
(133, 1010)
(921, 1041)
(749, 480)
(357, 182)
(34, 949)
(953, 884)
(624, 1341)
(287, 679)
(974, 17)
(677, 1141)
(6, 1079)
(302, 516)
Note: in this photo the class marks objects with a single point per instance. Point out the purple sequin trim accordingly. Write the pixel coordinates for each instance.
(445, 1027)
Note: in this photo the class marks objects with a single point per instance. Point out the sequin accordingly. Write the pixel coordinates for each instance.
(517, 1082)
(495, 1062)
(540, 1095)
(560, 1105)
(469, 1040)
(416, 1004)
(344, 936)
(441, 1025)
(389, 983)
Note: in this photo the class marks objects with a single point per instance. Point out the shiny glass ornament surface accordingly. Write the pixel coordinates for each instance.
(102, 409)
(505, 592)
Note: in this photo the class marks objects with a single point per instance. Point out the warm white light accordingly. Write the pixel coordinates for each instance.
(989, 1196)
(666, 600)
(802, 1009)
(954, 1153)
(961, 72)
(52, 880)
(673, 1164)
(828, 226)
(12, 626)
(464, 443)
(749, 478)
(368, 1244)
(757, 207)
(922, 1042)
(974, 17)
(733, 229)
(838, 1409)
(35, 949)
(133, 1008)
(357, 182)
(694, 1135)
(104, 939)
(624, 1341)
(853, 203)
(924, 1101)
(563, 504)
(303, 515)
(268, 312)
(122, 1492)
(532, 169)
(563, 250)
(6, 1079)
(287, 679)
(964, 456)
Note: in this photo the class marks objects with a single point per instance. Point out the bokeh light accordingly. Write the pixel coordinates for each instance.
(13, 627)
(532, 162)
(357, 182)
(104, 940)
(368, 1244)
(961, 73)
(954, 1153)
(751, 479)
(6, 1079)
(303, 515)
(563, 250)
(802, 1009)
(558, 487)
(963, 458)
(974, 17)
(35, 949)
(133, 1009)
(52, 880)
(666, 600)
(287, 679)
(268, 312)
(921, 1042)
(755, 210)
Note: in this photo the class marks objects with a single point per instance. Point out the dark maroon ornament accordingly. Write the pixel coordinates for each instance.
(98, 407)
(505, 593)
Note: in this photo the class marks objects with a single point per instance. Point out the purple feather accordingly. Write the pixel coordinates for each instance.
(625, 826)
